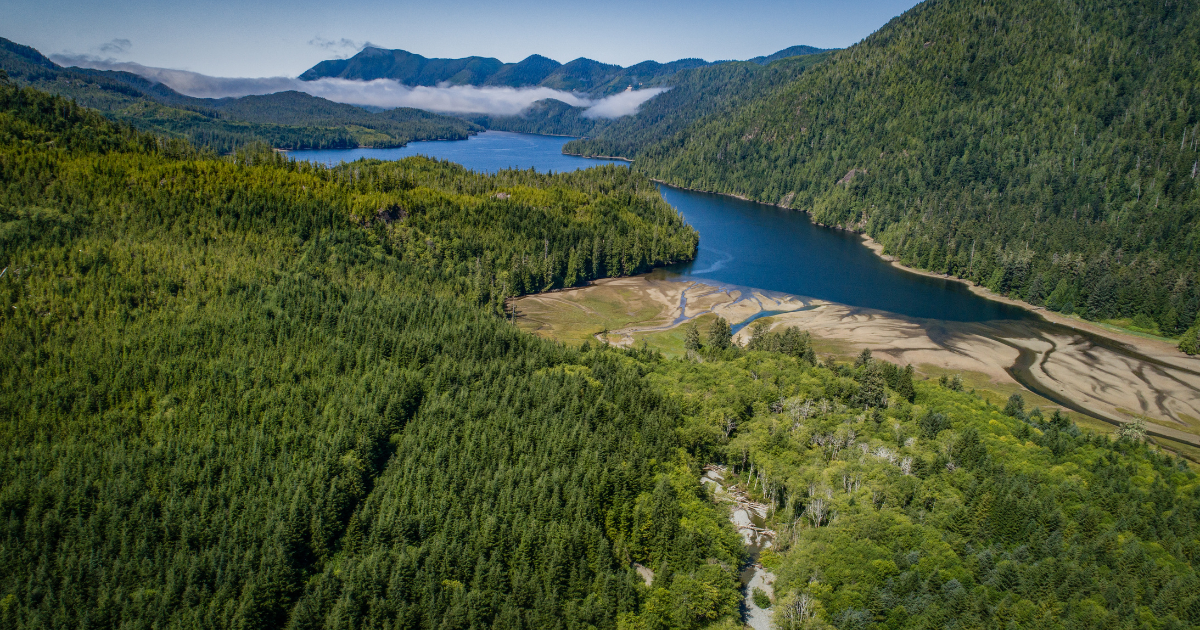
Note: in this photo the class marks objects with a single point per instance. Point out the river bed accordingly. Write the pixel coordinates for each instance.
(750, 519)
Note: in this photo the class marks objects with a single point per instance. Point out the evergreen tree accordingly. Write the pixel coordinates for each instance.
(720, 335)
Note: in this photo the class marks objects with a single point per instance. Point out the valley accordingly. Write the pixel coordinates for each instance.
(898, 335)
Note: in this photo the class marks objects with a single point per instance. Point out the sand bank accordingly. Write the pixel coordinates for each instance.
(1106, 375)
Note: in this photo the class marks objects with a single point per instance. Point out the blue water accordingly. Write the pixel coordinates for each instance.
(741, 243)
(757, 245)
(489, 152)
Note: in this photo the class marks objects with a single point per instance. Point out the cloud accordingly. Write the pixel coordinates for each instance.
(183, 81)
(623, 104)
(385, 93)
(455, 99)
(117, 46)
(340, 48)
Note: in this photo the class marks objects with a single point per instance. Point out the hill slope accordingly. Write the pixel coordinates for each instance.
(254, 393)
(286, 120)
(1045, 149)
(251, 392)
(694, 96)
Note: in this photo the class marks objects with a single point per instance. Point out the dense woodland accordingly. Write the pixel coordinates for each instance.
(250, 392)
(255, 393)
(695, 96)
(285, 120)
(1046, 150)
(902, 504)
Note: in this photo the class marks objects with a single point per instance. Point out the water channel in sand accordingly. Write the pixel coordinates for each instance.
(850, 293)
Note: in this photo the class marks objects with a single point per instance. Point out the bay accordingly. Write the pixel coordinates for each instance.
(742, 243)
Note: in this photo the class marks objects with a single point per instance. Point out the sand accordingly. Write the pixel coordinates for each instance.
(1105, 374)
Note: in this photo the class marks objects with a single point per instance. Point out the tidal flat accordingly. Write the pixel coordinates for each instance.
(1102, 379)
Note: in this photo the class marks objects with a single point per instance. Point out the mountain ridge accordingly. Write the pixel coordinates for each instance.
(580, 74)
(284, 120)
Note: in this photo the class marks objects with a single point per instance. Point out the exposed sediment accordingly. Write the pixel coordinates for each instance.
(1106, 376)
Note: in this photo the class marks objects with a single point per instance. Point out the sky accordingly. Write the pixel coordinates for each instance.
(257, 38)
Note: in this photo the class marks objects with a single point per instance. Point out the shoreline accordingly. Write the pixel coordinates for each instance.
(1079, 325)
(1109, 382)
(596, 157)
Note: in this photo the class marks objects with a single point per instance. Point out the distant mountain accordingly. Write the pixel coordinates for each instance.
(583, 75)
(794, 51)
(288, 120)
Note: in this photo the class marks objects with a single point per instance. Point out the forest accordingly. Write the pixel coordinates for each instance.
(249, 392)
(252, 392)
(1047, 151)
(902, 503)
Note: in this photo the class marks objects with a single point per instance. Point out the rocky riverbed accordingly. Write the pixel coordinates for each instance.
(749, 517)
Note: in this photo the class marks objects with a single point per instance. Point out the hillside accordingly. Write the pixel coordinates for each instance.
(580, 75)
(1046, 150)
(286, 120)
(695, 96)
(692, 95)
(237, 392)
(255, 393)
(896, 504)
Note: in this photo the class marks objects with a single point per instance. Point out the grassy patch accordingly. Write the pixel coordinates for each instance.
(573, 316)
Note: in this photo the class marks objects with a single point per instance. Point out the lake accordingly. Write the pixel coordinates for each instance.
(742, 243)
(489, 152)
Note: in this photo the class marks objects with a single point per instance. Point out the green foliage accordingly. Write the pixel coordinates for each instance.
(761, 599)
(720, 335)
(1189, 341)
(250, 392)
(1015, 406)
(1045, 150)
(948, 512)
(691, 338)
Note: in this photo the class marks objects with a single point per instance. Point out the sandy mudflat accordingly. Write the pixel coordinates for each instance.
(1089, 369)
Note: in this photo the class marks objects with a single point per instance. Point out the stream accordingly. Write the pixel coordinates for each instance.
(749, 518)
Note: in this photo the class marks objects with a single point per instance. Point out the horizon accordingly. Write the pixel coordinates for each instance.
(260, 40)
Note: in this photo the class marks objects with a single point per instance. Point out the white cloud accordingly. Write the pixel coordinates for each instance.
(386, 93)
(623, 104)
(340, 48)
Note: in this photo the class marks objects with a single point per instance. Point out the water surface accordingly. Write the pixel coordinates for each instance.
(766, 247)
(488, 152)
(742, 243)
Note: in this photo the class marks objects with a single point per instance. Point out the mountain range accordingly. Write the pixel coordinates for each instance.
(285, 120)
(580, 75)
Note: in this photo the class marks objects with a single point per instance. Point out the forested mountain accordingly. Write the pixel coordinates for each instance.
(255, 393)
(794, 51)
(286, 120)
(580, 75)
(258, 393)
(694, 96)
(1047, 150)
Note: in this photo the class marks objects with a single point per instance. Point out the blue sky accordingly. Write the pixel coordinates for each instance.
(255, 38)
